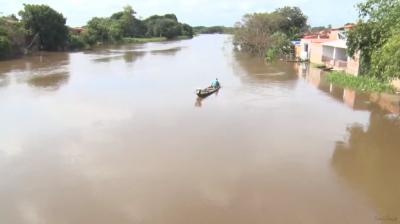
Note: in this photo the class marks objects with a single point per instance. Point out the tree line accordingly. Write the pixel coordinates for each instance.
(213, 30)
(42, 26)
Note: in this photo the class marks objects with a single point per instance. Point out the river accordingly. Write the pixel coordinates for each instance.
(117, 135)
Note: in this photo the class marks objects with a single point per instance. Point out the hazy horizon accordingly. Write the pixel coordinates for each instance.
(194, 12)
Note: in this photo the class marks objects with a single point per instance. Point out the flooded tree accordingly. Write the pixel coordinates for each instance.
(47, 23)
(259, 32)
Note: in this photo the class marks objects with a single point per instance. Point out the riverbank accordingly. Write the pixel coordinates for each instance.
(360, 83)
(142, 40)
(128, 40)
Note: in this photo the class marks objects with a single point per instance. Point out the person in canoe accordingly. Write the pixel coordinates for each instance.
(215, 83)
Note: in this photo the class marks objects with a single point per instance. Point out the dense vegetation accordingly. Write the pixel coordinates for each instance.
(124, 24)
(45, 28)
(47, 23)
(213, 30)
(12, 37)
(361, 83)
(377, 37)
(269, 34)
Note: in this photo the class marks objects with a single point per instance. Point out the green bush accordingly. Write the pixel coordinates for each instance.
(76, 42)
(5, 46)
(385, 62)
(361, 83)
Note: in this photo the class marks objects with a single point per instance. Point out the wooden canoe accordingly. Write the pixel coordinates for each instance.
(207, 91)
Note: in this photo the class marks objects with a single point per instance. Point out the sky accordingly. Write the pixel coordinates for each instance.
(194, 12)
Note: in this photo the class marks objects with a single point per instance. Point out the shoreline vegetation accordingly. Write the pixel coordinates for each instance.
(359, 83)
(41, 28)
(376, 36)
(213, 30)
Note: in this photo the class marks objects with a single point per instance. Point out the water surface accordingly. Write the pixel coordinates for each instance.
(117, 135)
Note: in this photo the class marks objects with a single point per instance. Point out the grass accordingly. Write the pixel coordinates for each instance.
(140, 40)
(360, 83)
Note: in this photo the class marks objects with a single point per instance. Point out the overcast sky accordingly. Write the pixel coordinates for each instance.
(195, 12)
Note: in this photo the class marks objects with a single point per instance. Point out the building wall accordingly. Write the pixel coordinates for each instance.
(297, 51)
(353, 64)
(334, 35)
(315, 53)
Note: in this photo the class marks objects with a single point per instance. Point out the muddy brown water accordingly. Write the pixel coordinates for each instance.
(117, 135)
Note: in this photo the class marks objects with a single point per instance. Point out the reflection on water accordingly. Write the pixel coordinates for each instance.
(131, 56)
(199, 100)
(128, 57)
(259, 70)
(353, 99)
(43, 70)
(4, 80)
(168, 51)
(369, 162)
(50, 82)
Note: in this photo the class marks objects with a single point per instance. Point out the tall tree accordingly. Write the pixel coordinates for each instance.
(48, 23)
(293, 20)
(166, 26)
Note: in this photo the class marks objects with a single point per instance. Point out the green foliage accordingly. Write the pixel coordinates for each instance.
(103, 30)
(97, 30)
(12, 37)
(374, 34)
(76, 42)
(280, 46)
(361, 83)
(213, 30)
(385, 63)
(140, 40)
(187, 30)
(255, 34)
(48, 23)
(166, 26)
(293, 21)
(5, 46)
(123, 26)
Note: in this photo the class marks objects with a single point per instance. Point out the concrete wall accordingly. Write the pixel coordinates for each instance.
(316, 53)
(353, 65)
(297, 51)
